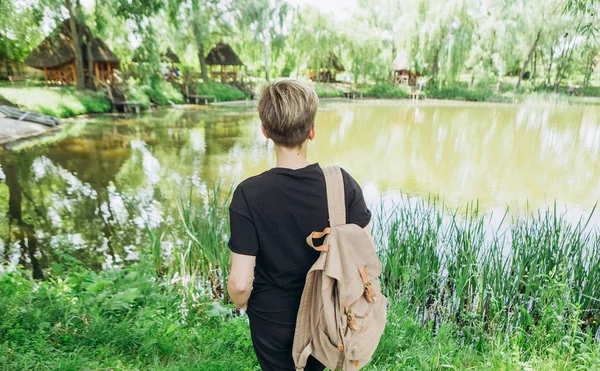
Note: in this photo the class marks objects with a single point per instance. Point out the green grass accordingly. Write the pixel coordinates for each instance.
(387, 90)
(524, 296)
(163, 93)
(460, 93)
(327, 90)
(223, 92)
(131, 319)
(59, 102)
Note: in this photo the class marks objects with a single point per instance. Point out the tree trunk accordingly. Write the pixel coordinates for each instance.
(202, 63)
(565, 59)
(76, 45)
(90, 57)
(531, 51)
(24, 233)
(198, 36)
(266, 56)
(548, 74)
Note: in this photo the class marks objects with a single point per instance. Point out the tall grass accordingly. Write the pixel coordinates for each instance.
(530, 270)
(201, 231)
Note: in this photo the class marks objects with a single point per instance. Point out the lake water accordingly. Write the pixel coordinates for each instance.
(77, 188)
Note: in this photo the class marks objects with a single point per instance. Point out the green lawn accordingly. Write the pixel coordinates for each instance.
(59, 102)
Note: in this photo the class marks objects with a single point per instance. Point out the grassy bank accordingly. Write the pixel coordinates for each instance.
(59, 102)
(524, 296)
(223, 92)
(130, 319)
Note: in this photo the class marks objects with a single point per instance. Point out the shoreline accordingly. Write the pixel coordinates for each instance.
(14, 131)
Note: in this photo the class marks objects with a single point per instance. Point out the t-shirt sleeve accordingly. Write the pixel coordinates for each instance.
(357, 211)
(244, 239)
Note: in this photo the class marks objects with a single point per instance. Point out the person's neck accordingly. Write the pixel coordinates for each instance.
(291, 158)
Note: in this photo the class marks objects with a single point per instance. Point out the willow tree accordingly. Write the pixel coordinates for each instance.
(445, 37)
(19, 32)
(265, 21)
(201, 21)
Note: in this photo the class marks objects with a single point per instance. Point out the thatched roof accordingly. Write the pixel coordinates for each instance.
(170, 56)
(332, 62)
(56, 49)
(335, 62)
(401, 62)
(223, 55)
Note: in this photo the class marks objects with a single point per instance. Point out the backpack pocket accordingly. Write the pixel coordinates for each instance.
(364, 343)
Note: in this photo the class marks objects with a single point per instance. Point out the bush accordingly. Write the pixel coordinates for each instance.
(93, 101)
(459, 93)
(137, 93)
(163, 93)
(328, 91)
(223, 92)
(387, 90)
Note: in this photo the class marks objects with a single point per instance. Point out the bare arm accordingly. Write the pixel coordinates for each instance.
(241, 276)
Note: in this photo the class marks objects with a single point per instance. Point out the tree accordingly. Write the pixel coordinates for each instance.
(201, 21)
(19, 32)
(264, 19)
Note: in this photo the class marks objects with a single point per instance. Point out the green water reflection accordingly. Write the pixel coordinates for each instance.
(79, 191)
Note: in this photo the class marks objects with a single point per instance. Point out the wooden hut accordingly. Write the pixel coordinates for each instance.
(325, 72)
(223, 63)
(56, 57)
(402, 73)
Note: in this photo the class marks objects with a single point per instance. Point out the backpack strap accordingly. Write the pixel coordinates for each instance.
(336, 198)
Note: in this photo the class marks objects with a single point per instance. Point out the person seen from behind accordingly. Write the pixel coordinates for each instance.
(270, 216)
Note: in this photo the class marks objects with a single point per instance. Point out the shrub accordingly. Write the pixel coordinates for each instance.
(387, 90)
(459, 93)
(328, 91)
(163, 93)
(223, 92)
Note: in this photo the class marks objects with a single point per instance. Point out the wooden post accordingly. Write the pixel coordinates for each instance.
(74, 72)
(110, 76)
(46, 75)
(96, 71)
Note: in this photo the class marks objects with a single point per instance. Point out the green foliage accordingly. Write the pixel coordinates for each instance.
(520, 276)
(163, 93)
(328, 91)
(459, 93)
(116, 319)
(387, 90)
(223, 92)
(136, 93)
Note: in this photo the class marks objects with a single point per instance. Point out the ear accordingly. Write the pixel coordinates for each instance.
(312, 133)
(264, 131)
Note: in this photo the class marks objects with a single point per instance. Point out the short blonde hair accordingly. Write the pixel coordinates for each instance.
(287, 109)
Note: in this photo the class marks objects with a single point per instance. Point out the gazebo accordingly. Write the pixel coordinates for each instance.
(55, 56)
(328, 71)
(223, 55)
(402, 73)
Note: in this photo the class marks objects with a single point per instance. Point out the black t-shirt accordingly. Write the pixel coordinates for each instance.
(271, 215)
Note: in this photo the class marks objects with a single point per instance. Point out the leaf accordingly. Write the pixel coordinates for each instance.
(127, 296)
(97, 286)
(215, 309)
(172, 329)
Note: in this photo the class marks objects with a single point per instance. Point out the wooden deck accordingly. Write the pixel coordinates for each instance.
(127, 105)
(201, 98)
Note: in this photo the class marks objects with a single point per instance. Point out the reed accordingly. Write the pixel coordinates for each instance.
(531, 269)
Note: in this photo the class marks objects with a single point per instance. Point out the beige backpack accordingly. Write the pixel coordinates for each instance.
(342, 312)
